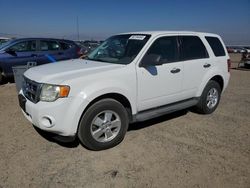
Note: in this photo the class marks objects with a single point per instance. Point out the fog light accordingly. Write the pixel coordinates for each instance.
(47, 121)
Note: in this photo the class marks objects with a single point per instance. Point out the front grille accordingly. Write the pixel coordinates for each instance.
(31, 90)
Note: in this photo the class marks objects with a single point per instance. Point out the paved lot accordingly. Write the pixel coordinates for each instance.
(183, 149)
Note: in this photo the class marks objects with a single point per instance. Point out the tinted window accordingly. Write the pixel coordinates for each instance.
(216, 46)
(49, 45)
(192, 48)
(24, 46)
(65, 46)
(166, 47)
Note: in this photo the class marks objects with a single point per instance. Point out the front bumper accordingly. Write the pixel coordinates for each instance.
(57, 117)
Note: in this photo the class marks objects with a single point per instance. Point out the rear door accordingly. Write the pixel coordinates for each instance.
(19, 54)
(195, 63)
(49, 51)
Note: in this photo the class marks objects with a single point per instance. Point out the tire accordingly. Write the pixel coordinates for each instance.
(1, 77)
(103, 125)
(247, 66)
(203, 106)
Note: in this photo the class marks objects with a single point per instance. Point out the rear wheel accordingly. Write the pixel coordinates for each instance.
(103, 125)
(210, 98)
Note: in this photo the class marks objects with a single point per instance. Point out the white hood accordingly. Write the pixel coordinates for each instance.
(56, 73)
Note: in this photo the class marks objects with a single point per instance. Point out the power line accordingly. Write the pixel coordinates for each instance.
(77, 28)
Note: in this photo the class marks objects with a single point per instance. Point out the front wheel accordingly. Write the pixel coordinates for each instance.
(103, 125)
(209, 99)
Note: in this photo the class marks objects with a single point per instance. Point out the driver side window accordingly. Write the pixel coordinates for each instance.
(165, 48)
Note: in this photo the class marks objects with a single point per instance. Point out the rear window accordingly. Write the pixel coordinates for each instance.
(192, 48)
(216, 46)
(65, 46)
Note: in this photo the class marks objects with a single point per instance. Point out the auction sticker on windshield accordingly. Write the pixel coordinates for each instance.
(137, 37)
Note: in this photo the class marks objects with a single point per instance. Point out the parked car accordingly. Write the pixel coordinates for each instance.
(130, 77)
(87, 47)
(91, 45)
(84, 50)
(237, 49)
(247, 49)
(230, 49)
(245, 59)
(40, 50)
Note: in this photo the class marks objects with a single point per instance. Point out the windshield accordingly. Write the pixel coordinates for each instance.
(6, 43)
(119, 49)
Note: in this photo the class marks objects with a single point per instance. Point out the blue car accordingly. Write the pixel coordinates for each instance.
(40, 50)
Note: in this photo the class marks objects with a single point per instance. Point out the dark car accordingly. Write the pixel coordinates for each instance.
(40, 50)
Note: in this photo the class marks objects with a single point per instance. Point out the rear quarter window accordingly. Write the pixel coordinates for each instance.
(65, 46)
(216, 46)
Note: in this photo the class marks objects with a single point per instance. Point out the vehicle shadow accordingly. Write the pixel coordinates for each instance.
(241, 68)
(7, 80)
(151, 122)
(74, 142)
(67, 142)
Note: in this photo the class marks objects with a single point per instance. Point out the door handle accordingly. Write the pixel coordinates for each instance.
(206, 65)
(175, 70)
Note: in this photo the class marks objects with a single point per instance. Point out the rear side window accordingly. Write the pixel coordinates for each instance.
(216, 46)
(166, 47)
(192, 48)
(49, 45)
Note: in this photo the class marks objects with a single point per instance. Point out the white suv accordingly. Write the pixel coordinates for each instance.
(130, 77)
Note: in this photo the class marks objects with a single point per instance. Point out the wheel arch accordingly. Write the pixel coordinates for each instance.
(216, 77)
(219, 80)
(116, 96)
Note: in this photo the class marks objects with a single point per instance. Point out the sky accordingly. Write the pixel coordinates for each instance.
(98, 19)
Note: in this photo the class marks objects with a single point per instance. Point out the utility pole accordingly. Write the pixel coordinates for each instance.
(77, 28)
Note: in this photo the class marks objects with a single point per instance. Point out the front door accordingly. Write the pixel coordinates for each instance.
(159, 85)
(19, 54)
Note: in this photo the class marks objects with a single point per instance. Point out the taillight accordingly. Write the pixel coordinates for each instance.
(79, 51)
(228, 65)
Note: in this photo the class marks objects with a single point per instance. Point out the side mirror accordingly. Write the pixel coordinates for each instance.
(151, 60)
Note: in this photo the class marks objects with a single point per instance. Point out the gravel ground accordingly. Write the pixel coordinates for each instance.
(183, 149)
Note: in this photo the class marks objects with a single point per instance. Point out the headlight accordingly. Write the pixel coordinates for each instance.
(50, 93)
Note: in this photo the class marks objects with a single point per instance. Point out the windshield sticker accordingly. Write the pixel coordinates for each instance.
(137, 37)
